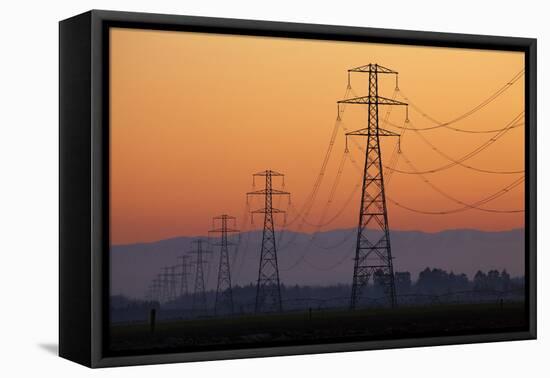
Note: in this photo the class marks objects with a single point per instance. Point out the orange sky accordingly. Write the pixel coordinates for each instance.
(194, 115)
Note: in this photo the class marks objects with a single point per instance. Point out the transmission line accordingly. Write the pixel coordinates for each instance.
(437, 189)
(475, 205)
(332, 194)
(476, 108)
(469, 207)
(460, 161)
(308, 204)
(393, 124)
(347, 256)
(448, 196)
(322, 222)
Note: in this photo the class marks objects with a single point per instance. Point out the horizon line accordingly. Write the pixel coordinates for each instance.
(320, 232)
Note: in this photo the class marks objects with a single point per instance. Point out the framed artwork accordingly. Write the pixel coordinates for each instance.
(234, 188)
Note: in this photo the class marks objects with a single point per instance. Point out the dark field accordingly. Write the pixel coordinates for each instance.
(299, 328)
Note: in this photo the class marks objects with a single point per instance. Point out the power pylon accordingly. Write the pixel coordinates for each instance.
(149, 294)
(184, 274)
(199, 306)
(268, 289)
(172, 280)
(373, 249)
(156, 290)
(224, 293)
(165, 279)
(159, 287)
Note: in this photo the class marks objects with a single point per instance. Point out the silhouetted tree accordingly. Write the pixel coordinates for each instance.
(505, 280)
(433, 281)
(403, 283)
(379, 282)
(480, 281)
(493, 280)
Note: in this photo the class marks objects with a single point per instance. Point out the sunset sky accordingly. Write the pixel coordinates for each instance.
(193, 116)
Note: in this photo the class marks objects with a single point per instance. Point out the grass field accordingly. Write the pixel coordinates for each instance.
(321, 326)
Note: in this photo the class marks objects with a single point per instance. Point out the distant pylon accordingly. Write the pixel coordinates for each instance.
(159, 287)
(373, 256)
(184, 287)
(156, 290)
(199, 306)
(173, 283)
(165, 290)
(149, 294)
(268, 289)
(224, 293)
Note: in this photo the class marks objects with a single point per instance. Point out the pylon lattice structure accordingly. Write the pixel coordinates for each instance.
(268, 289)
(156, 289)
(173, 283)
(199, 305)
(150, 294)
(184, 274)
(165, 279)
(158, 286)
(373, 258)
(224, 293)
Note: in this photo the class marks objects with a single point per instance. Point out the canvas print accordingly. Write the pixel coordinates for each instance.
(277, 191)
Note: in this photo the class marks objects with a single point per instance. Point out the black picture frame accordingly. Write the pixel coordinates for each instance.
(84, 176)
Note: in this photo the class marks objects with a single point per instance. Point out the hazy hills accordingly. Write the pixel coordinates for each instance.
(327, 259)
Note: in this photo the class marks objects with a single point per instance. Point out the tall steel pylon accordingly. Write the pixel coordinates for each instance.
(224, 293)
(268, 289)
(184, 274)
(199, 306)
(172, 283)
(165, 293)
(373, 256)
